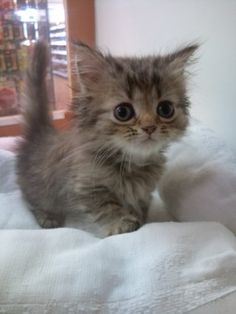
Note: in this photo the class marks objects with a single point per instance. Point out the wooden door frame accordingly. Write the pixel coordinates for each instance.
(80, 26)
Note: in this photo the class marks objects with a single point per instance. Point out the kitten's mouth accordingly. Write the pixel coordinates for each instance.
(148, 139)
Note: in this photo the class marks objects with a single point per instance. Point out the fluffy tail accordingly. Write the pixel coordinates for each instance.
(37, 116)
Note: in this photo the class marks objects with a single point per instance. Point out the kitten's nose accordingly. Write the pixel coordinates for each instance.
(149, 129)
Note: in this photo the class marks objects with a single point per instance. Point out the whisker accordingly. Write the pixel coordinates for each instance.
(130, 157)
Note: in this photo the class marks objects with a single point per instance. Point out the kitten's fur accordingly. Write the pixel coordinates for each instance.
(101, 166)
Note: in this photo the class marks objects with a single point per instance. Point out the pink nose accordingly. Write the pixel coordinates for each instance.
(149, 129)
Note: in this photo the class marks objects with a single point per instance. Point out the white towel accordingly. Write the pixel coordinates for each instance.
(161, 268)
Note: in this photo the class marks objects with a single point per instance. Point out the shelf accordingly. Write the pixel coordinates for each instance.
(61, 43)
(59, 62)
(59, 52)
(58, 35)
(57, 27)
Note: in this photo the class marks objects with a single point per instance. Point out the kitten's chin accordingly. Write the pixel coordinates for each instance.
(143, 150)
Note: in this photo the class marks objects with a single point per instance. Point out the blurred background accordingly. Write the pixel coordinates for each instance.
(22, 22)
(123, 27)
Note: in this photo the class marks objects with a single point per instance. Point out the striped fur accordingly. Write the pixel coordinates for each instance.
(101, 167)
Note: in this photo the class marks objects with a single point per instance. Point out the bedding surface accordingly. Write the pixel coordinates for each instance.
(199, 183)
(164, 267)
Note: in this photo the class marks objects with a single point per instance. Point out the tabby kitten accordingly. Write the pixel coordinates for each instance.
(109, 162)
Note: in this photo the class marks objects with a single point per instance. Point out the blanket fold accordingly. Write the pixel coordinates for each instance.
(160, 267)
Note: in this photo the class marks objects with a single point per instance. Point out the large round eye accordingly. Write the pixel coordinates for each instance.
(124, 112)
(165, 109)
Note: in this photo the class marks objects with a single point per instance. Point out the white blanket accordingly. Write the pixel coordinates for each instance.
(166, 267)
(200, 181)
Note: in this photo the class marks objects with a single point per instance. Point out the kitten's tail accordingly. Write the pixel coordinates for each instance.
(37, 116)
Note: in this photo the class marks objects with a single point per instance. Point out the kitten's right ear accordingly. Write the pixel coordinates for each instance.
(90, 66)
(180, 59)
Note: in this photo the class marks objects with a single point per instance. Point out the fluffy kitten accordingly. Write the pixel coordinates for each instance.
(110, 160)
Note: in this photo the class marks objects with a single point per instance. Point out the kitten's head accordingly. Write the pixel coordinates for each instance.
(136, 105)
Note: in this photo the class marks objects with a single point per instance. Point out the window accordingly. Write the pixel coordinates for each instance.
(22, 22)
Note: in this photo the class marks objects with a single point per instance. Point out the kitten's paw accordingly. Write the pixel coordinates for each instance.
(48, 221)
(123, 225)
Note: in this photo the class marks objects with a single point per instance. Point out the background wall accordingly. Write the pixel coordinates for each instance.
(147, 26)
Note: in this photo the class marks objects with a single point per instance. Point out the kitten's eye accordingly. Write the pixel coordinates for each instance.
(124, 112)
(165, 109)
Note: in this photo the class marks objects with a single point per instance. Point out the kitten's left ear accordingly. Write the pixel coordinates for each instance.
(90, 66)
(181, 58)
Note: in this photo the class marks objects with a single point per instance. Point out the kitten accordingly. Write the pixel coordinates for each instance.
(109, 162)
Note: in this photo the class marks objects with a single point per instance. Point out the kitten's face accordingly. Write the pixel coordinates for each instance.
(136, 105)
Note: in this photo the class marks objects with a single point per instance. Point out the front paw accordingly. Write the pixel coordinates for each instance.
(124, 224)
(48, 220)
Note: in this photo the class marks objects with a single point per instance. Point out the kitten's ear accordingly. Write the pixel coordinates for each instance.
(181, 58)
(90, 66)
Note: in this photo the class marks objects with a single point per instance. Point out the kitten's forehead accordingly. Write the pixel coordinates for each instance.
(137, 73)
(147, 75)
(144, 77)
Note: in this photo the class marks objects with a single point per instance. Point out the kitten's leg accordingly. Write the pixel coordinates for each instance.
(115, 219)
(49, 220)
